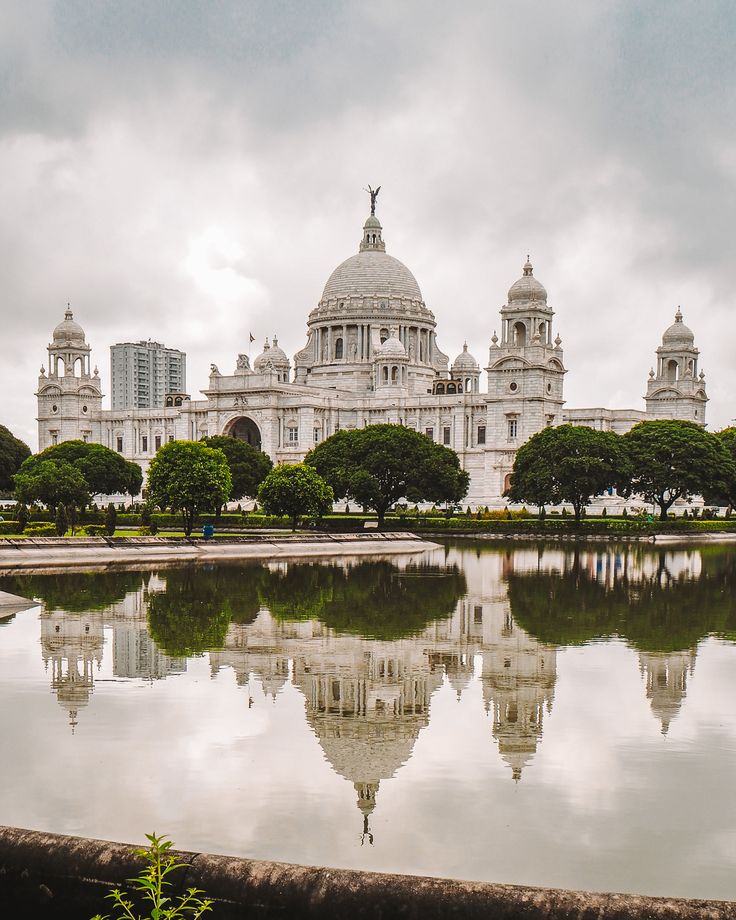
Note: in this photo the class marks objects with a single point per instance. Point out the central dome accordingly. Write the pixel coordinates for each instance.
(371, 273)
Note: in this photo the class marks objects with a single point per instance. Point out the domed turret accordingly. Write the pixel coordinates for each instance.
(678, 332)
(261, 362)
(527, 289)
(68, 332)
(392, 347)
(464, 363)
(677, 390)
(273, 358)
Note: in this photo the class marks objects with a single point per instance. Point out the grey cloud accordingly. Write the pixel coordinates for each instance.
(599, 137)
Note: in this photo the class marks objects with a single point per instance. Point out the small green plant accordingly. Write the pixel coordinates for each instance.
(150, 885)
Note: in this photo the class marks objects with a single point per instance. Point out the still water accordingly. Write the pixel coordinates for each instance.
(536, 715)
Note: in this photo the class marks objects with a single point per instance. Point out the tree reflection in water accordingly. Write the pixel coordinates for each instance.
(650, 606)
(375, 600)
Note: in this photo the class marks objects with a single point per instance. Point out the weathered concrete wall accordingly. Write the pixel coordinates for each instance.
(52, 876)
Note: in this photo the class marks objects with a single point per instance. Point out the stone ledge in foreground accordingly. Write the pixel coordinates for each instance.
(66, 878)
(62, 552)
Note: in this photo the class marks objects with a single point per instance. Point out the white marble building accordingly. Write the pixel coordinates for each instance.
(372, 356)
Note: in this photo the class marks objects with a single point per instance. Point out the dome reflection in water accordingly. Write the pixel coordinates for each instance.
(534, 714)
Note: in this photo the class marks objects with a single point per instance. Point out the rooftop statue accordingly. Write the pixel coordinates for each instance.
(374, 194)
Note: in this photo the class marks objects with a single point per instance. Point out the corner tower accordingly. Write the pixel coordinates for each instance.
(525, 367)
(677, 390)
(70, 397)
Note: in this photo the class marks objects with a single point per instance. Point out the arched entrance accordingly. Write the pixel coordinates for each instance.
(246, 430)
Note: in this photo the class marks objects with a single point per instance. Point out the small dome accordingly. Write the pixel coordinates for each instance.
(527, 289)
(263, 360)
(68, 331)
(391, 348)
(678, 333)
(465, 361)
(372, 222)
(277, 356)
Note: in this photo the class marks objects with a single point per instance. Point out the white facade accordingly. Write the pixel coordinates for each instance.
(371, 357)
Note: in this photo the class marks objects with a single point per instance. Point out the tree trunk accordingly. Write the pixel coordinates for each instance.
(294, 522)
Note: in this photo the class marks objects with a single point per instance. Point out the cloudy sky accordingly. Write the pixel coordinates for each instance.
(192, 172)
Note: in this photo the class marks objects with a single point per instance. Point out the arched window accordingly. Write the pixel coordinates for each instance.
(177, 401)
(383, 335)
(374, 237)
(519, 334)
(451, 388)
(385, 374)
(338, 348)
(394, 374)
(672, 369)
(507, 481)
(440, 388)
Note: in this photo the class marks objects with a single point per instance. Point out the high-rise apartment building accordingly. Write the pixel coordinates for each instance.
(143, 372)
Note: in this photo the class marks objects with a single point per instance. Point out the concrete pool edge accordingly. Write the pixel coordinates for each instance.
(53, 875)
(60, 552)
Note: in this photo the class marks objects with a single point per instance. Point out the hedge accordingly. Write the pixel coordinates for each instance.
(41, 530)
(10, 527)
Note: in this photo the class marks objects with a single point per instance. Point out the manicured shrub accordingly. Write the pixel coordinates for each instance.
(41, 530)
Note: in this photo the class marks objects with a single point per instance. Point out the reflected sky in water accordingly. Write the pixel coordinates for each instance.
(536, 715)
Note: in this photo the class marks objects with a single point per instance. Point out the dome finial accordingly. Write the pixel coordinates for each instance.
(528, 268)
(678, 315)
(68, 312)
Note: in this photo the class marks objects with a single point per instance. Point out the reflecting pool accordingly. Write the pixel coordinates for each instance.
(532, 714)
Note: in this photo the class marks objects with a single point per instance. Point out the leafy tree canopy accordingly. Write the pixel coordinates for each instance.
(248, 465)
(567, 464)
(672, 459)
(726, 493)
(380, 464)
(51, 482)
(104, 470)
(295, 489)
(12, 454)
(189, 477)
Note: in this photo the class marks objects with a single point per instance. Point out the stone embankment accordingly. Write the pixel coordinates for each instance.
(85, 552)
(44, 876)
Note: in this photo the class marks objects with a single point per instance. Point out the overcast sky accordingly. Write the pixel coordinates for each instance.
(193, 172)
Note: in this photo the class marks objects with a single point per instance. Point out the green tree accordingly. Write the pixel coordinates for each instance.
(51, 482)
(567, 464)
(104, 470)
(673, 459)
(248, 465)
(12, 454)
(727, 494)
(377, 465)
(189, 477)
(295, 489)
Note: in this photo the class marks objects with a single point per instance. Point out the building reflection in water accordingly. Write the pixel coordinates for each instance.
(72, 646)
(368, 699)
